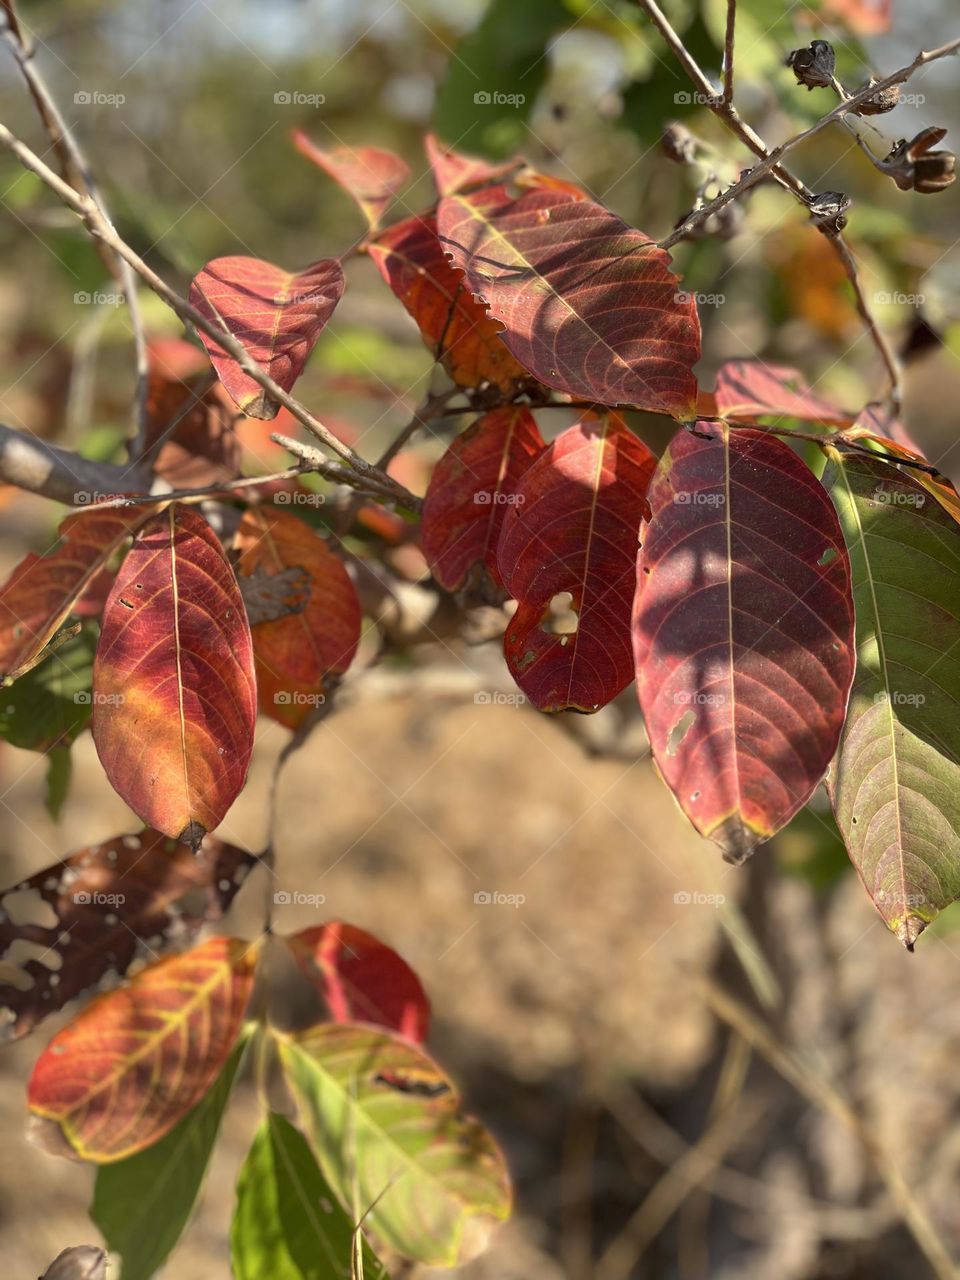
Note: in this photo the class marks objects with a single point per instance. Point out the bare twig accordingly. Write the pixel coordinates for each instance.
(728, 43)
(76, 172)
(32, 464)
(101, 229)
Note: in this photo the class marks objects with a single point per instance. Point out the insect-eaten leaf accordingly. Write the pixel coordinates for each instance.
(370, 175)
(175, 697)
(141, 1204)
(66, 928)
(567, 556)
(296, 655)
(276, 315)
(588, 304)
(743, 631)
(43, 591)
(287, 1223)
(454, 326)
(390, 1136)
(470, 490)
(361, 979)
(120, 1076)
(895, 785)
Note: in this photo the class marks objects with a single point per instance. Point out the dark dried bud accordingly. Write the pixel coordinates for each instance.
(878, 103)
(815, 65)
(915, 167)
(678, 144)
(829, 211)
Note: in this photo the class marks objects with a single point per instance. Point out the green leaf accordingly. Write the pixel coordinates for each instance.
(51, 704)
(141, 1205)
(493, 79)
(59, 771)
(388, 1132)
(287, 1224)
(895, 784)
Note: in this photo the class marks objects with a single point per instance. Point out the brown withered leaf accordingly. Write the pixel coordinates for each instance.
(269, 596)
(65, 928)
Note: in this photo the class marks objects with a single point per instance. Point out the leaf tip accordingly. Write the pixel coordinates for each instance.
(736, 839)
(909, 929)
(192, 835)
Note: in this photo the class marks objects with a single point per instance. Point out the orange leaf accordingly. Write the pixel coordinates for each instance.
(121, 1075)
(370, 175)
(454, 327)
(296, 654)
(277, 315)
(43, 590)
(455, 171)
(174, 691)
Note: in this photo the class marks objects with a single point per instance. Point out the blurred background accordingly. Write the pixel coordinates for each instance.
(695, 1071)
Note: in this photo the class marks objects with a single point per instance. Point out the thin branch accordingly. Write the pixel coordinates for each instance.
(76, 171)
(101, 229)
(728, 42)
(880, 341)
(32, 464)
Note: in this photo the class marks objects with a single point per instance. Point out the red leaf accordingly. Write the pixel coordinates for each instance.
(368, 174)
(190, 431)
(863, 17)
(110, 903)
(454, 327)
(751, 389)
(295, 655)
(361, 979)
(743, 632)
(175, 698)
(454, 170)
(573, 527)
(470, 490)
(588, 304)
(277, 315)
(43, 590)
(120, 1076)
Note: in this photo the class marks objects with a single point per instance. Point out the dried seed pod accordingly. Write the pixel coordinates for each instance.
(914, 166)
(878, 103)
(814, 66)
(829, 211)
(678, 144)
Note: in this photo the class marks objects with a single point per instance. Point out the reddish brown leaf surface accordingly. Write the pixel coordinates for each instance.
(295, 655)
(454, 170)
(43, 590)
(175, 697)
(588, 304)
(572, 528)
(277, 315)
(470, 490)
(748, 389)
(368, 174)
(111, 903)
(743, 631)
(361, 979)
(121, 1075)
(454, 327)
(191, 440)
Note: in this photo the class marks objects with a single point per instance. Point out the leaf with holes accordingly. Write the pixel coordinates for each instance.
(175, 697)
(389, 1134)
(276, 315)
(104, 907)
(470, 490)
(370, 175)
(296, 655)
(361, 979)
(743, 632)
(120, 1075)
(588, 304)
(455, 171)
(455, 328)
(142, 1204)
(751, 389)
(287, 1224)
(895, 785)
(42, 591)
(572, 528)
